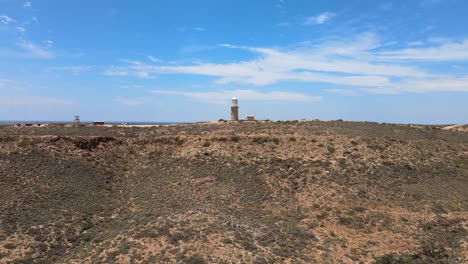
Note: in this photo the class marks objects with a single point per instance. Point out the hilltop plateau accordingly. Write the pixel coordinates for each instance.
(234, 192)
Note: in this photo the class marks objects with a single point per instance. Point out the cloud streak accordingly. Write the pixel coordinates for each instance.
(219, 97)
(309, 64)
(113, 71)
(131, 101)
(34, 51)
(74, 69)
(6, 84)
(448, 51)
(425, 85)
(363, 62)
(153, 59)
(344, 92)
(319, 19)
(6, 19)
(32, 101)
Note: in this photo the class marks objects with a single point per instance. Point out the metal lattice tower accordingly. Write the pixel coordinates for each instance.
(77, 120)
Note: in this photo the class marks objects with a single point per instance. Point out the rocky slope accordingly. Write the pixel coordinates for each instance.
(264, 192)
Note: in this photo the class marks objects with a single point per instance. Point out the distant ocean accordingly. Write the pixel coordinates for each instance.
(13, 122)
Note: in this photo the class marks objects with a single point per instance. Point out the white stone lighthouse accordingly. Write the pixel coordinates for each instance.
(234, 110)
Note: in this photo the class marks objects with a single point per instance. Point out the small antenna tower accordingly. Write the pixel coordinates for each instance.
(77, 120)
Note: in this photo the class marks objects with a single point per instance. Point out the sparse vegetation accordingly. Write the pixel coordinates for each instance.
(233, 193)
(345, 220)
(331, 149)
(24, 143)
(260, 140)
(196, 259)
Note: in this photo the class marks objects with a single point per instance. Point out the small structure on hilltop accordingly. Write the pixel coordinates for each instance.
(250, 118)
(77, 120)
(98, 123)
(234, 110)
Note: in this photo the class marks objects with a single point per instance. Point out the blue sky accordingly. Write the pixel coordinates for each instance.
(385, 61)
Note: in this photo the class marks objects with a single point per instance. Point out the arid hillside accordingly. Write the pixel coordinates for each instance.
(258, 192)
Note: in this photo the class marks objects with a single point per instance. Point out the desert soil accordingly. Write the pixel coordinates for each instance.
(257, 192)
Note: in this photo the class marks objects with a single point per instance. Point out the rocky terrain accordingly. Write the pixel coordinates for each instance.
(247, 192)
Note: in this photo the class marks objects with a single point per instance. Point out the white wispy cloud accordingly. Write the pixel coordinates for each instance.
(6, 19)
(30, 21)
(448, 51)
(131, 101)
(308, 64)
(34, 51)
(199, 29)
(143, 74)
(415, 43)
(153, 59)
(27, 4)
(220, 97)
(319, 19)
(345, 92)
(440, 84)
(21, 29)
(6, 83)
(258, 73)
(49, 43)
(74, 69)
(115, 72)
(361, 62)
(26, 49)
(32, 101)
(135, 68)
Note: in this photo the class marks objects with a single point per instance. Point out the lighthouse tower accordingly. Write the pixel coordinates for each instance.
(234, 110)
